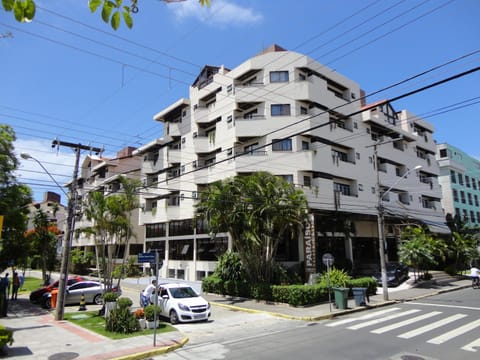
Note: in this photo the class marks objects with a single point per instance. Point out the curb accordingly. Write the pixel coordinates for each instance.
(154, 352)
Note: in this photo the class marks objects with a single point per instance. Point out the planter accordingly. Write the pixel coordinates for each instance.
(150, 324)
(142, 323)
(109, 306)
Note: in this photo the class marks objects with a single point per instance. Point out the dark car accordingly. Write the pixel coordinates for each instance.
(396, 274)
(36, 295)
(91, 290)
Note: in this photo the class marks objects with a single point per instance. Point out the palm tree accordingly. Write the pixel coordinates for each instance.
(258, 211)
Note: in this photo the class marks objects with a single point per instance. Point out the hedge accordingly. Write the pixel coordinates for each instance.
(6, 336)
(295, 295)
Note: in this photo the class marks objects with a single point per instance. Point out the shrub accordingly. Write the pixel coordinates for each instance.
(230, 267)
(110, 297)
(124, 302)
(365, 282)
(213, 284)
(338, 277)
(299, 295)
(121, 320)
(6, 336)
(150, 312)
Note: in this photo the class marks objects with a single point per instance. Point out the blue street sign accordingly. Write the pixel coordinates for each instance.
(146, 257)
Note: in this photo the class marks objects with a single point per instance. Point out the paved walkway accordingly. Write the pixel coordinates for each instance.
(38, 336)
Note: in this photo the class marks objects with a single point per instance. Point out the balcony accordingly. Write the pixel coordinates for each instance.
(204, 144)
(249, 93)
(174, 156)
(173, 129)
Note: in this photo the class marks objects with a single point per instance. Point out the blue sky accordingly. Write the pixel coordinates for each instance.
(67, 75)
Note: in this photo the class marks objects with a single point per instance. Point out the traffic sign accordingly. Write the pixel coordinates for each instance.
(327, 259)
(146, 257)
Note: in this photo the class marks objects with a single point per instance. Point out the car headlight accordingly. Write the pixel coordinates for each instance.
(183, 307)
(208, 306)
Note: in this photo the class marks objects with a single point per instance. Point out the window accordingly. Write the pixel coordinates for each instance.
(478, 217)
(229, 118)
(278, 76)
(307, 181)
(210, 249)
(470, 201)
(229, 152)
(474, 184)
(453, 177)
(303, 110)
(305, 145)
(180, 227)
(462, 197)
(155, 230)
(287, 178)
(476, 200)
(282, 145)
(472, 216)
(280, 109)
(250, 148)
(180, 249)
(229, 89)
(460, 179)
(467, 180)
(455, 195)
(339, 155)
(343, 189)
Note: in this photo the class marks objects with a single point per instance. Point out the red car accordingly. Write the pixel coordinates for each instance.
(36, 295)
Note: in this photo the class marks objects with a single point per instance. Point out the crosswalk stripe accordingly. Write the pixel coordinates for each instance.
(454, 333)
(364, 317)
(472, 346)
(431, 326)
(405, 322)
(378, 321)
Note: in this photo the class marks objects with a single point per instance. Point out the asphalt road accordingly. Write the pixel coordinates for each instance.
(440, 327)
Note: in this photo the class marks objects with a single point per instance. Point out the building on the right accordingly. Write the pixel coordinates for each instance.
(460, 182)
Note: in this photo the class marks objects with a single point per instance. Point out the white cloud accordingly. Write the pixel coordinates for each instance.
(59, 165)
(221, 12)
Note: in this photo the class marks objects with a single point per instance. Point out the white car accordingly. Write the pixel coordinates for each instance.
(180, 303)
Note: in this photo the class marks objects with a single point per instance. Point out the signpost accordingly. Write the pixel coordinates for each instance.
(328, 260)
(152, 258)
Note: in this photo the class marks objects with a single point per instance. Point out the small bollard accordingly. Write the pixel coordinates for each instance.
(82, 303)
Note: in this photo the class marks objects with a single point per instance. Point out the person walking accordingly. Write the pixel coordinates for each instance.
(475, 275)
(15, 285)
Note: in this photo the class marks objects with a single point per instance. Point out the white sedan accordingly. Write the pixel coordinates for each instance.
(180, 303)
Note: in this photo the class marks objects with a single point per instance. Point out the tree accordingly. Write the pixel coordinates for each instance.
(420, 250)
(112, 10)
(43, 238)
(13, 200)
(258, 211)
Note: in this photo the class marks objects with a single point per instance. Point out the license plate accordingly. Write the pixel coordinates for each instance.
(197, 317)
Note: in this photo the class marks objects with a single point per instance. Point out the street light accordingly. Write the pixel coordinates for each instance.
(27, 156)
(67, 239)
(381, 224)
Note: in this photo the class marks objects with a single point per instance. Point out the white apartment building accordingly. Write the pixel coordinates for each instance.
(460, 182)
(98, 173)
(287, 114)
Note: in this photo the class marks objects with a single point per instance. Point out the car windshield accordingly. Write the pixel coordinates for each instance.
(183, 292)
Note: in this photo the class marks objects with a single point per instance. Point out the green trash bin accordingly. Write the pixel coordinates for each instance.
(341, 297)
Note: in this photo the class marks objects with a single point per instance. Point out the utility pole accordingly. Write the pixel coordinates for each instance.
(67, 240)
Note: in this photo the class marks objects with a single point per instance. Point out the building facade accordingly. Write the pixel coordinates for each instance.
(103, 174)
(284, 113)
(460, 182)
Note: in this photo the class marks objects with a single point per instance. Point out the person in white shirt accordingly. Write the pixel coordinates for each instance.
(147, 293)
(474, 274)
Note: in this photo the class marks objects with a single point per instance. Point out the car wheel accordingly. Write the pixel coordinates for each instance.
(173, 317)
(47, 304)
(98, 299)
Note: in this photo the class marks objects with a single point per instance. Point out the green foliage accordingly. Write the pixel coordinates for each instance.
(23, 10)
(299, 295)
(110, 297)
(128, 270)
(338, 277)
(81, 261)
(121, 319)
(259, 211)
(229, 267)
(150, 312)
(6, 336)
(364, 282)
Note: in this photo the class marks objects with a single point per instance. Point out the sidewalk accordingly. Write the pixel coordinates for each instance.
(38, 336)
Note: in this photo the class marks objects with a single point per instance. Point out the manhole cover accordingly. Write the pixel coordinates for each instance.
(412, 357)
(63, 356)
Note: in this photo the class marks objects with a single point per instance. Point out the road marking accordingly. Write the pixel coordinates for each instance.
(431, 326)
(405, 322)
(447, 306)
(364, 317)
(378, 321)
(455, 332)
(472, 346)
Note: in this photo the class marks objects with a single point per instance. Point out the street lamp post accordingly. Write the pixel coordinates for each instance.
(67, 239)
(381, 221)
